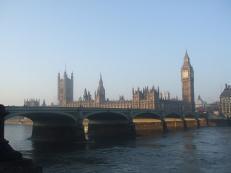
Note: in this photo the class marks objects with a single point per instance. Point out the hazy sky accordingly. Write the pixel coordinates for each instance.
(132, 43)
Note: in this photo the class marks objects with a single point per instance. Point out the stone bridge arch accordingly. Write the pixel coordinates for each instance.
(147, 114)
(114, 113)
(51, 126)
(43, 115)
(108, 125)
(173, 115)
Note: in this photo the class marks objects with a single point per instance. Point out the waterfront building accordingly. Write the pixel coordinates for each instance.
(65, 89)
(225, 101)
(141, 99)
(187, 78)
(31, 102)
(146, 98)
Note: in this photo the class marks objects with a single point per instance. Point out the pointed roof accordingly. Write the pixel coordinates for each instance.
(100, 80)
(226, 92)
(100, 77)
(187, 63)
(100, 87)
(186, 57)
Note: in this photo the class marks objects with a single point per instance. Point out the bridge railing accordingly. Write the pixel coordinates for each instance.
(34, 109)
(56, 108)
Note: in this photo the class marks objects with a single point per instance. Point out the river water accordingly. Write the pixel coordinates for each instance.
(205, 150)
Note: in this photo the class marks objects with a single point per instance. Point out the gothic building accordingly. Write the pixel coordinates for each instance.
(31, 102)
(187, 78)
(146, 98)
(65, 89)
(86, 95)
(141, 99)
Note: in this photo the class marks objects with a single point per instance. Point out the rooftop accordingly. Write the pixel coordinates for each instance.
(227, 91)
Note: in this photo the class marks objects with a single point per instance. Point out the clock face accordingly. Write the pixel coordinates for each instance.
(185, 74)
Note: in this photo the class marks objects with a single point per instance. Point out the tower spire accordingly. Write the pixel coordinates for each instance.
(100, 77)
(100, 81)
(100, 94)
(186, 57)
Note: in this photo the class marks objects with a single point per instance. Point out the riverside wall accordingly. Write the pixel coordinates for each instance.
(150, 126)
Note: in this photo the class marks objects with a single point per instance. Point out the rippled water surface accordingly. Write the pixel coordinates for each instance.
(201, 150)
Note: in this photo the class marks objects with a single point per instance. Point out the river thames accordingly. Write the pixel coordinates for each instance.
(205, 150)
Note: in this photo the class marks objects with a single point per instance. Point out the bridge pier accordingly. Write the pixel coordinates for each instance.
(202, 122)
(174, 124)
(148, 126)
(190, 122)
(102, 130)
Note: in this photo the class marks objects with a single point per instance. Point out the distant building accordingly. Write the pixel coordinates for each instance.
(65, 89)
(225, 101)
(31, 102)
(200, 105)
(213, 108)
(44, 103)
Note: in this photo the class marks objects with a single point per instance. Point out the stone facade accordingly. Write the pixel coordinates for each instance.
(65, 89)
(141, 99)
(187, 78)
(225, 101)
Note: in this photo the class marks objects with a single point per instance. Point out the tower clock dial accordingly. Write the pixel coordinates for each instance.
(185, 74)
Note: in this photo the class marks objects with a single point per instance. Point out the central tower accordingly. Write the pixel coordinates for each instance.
(100, 94)
(187, 78)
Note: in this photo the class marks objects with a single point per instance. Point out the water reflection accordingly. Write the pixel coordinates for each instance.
(201, 150)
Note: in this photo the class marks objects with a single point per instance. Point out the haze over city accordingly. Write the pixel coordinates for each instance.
(132, 43)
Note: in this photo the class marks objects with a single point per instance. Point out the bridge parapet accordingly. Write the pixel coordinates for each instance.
(83, 112)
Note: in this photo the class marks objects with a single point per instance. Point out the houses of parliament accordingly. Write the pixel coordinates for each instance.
(146, 98)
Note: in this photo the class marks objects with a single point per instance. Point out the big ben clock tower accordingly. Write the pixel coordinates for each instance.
(187, 78)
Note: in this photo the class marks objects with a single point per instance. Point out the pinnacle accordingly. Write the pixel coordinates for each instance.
(186, 58)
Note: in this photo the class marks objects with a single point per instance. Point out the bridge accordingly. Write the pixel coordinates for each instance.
(67, 123)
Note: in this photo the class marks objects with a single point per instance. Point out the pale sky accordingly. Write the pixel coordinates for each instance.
(133, 43)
